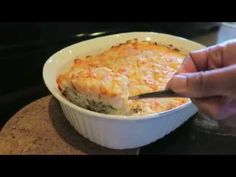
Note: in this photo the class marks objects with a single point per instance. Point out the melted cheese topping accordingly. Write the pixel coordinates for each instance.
(125, 70)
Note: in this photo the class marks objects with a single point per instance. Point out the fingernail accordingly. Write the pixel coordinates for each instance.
(179, 83)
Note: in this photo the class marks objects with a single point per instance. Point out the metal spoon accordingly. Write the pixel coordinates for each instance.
(158, 94)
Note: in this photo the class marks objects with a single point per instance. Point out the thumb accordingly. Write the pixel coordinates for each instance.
(217, 82)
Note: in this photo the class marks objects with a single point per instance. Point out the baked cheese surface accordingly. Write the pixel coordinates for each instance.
(103, 82)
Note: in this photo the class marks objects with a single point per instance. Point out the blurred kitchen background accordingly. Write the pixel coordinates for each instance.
(24, 47)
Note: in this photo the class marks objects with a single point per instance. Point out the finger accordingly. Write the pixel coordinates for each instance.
(229, 52)
(216, 56)
(187, 66)
(218, 108)
(211, 107)
(204, 84)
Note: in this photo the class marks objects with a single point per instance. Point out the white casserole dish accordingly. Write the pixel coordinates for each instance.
(112, 131)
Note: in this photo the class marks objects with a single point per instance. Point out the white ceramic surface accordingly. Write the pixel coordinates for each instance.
(113, 131)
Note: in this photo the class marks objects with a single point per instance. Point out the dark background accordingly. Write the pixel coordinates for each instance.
(24, 47)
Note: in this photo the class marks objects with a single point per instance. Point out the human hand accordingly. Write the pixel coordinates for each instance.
(208, 77)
